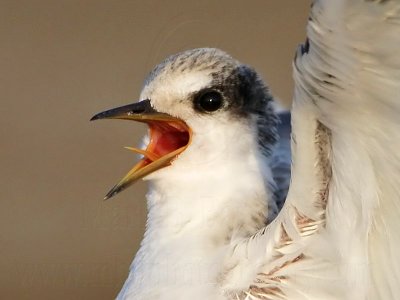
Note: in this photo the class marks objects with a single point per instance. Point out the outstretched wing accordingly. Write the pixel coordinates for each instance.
(337, 236)
(351, 74)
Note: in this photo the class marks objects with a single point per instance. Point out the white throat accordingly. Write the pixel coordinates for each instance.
(208, 197)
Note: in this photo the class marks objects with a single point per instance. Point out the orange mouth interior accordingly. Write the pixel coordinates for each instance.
(166, 137)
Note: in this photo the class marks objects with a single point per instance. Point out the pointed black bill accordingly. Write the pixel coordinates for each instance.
(138, 111)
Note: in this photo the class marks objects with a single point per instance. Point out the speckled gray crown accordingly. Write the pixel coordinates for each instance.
(244, 90)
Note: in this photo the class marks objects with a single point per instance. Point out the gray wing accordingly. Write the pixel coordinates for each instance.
(280, 165)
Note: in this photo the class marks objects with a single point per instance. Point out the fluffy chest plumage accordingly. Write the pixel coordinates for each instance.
(194, 220)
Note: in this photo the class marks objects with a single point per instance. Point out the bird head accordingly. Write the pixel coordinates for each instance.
(189, 101)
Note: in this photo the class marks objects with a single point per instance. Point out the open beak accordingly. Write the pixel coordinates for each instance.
(169, 136)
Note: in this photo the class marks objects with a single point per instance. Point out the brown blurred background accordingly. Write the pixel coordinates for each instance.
(61, 61)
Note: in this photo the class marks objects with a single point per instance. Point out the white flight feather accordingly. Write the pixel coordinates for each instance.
(350, 82)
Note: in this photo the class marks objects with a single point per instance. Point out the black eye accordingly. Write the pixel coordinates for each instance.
(209, 101)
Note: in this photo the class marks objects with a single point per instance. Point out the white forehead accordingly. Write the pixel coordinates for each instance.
(174, 81)
(176, 85)
(172, 93)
